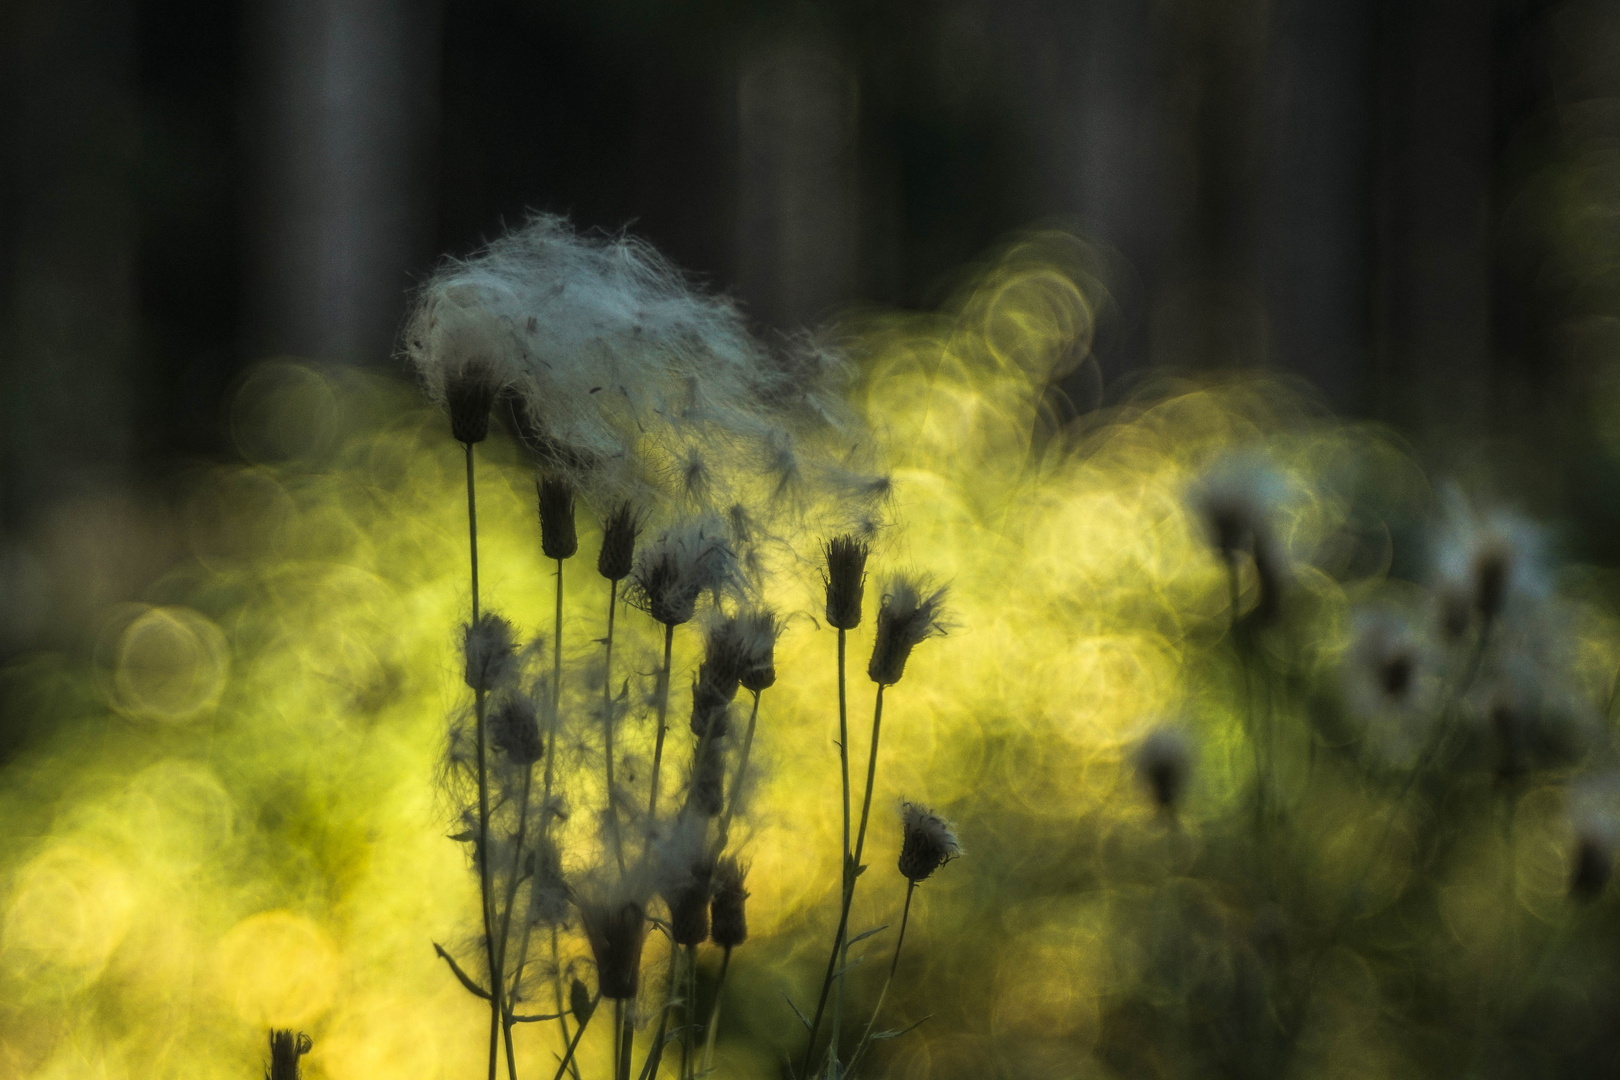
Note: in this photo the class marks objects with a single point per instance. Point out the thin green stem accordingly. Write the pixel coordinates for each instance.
(621, 1068)
(607, 729)
(568, 1058)
(484, 884)
(894, 963)
(714, 1012)
(506, 919)
(663, 715)
(723, 834)
(689, 1015)
(852, 871)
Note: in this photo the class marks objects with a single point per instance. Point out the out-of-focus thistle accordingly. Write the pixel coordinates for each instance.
(1237, 500)
(1593, 861)
(614, 562)
(515, 730)
(285, 1050)
(1389, 682)
(1484, 565)
(1164, 762)
(488, 649)
(913, 610)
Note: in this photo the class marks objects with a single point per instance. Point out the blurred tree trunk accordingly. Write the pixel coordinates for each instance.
(1314, 222)
(67, 234)
(797, 195)
(342, 105)
(1433, 165)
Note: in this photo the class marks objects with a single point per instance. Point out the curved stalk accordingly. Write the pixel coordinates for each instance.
(866, 1037)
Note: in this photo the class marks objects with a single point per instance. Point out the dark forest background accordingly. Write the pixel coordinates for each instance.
(1412, 205)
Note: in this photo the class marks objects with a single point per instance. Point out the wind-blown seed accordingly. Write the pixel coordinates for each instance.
(515, 730)
(488, 647)
(557, 537)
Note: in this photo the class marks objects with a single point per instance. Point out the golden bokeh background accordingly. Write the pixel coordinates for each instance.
(226, 818)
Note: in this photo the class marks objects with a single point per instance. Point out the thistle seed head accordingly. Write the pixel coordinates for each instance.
(709, 778)
(688, 903)
(728, 916)
(548, 890)
(488, 648)
(557, 538)
(1484, 562)
(845, 579)
(619, 534)
(285, 1050)
(470, 395)
(759, 629)
(685, 562)
(1164, 762)
(580, 1003)
(930, 842)
(515, 730)
(913, 611)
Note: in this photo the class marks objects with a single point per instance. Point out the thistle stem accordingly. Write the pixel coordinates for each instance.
(551, 759)
(894, 963)
(714, 1012)
(568, 1058)
(723, 835)
(607, 728)
(496, 979)
(851, 870)
(663, 714)
(689, 1012)
(655, 1053)
(506, 920)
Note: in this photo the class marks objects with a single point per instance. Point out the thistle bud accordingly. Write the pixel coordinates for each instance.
(728, 917)
(845, 578)
(689, 906)
(580, 1003)
(285, 1050)
(1162, 761)
(618, 553)
(487, 645)
(557, 538)
(515, 730)
(470, 395)
(911, 613)
(929, 842)
(760, 630)
(616, 930)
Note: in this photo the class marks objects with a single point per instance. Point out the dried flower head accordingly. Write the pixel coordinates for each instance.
(1164, 762)
(685, 562)
(1484, 563)
(1388, 680)
(688, 901)
(285, 1050)
(548, 890)
(557, 538)
(759, 628)
(1592, 806)
(913, 611)
(615, 924)
(708, 778)
(728, 916)
(1237, 499)
(619, 534)
(515, 730)
(469, 394)
(580, 1003)
(845, 579)
(488, 647)
(930, 842)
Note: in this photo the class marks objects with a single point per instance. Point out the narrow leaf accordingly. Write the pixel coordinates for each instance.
(896, 1034)
(869, 933)
(803, 1019)
(473, 987)
(851, 966)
